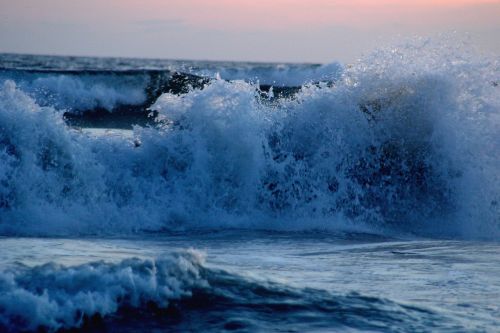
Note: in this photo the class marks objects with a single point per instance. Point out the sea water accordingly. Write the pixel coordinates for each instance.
(153, 195)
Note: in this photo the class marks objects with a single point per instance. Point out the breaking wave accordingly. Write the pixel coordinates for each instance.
(406, 139)
(54, 297)
(141, 294)
(80, 91)
(284, 75)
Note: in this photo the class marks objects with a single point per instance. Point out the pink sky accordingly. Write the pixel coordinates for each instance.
(278, 14)
(277, 30)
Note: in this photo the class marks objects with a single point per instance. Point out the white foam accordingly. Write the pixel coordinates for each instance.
(55, 297)
(407, 139)
(76, 93)
(278, 75)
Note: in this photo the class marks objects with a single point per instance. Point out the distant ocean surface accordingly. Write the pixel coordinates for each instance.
(141, 195)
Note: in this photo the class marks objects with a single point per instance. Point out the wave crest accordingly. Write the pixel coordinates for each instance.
(179, 291)
(56, 297)
(405, 140)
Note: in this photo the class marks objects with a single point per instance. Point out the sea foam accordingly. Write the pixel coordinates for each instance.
(56, 297)
(405, 140)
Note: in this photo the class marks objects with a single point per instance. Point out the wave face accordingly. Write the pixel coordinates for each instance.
(178, 291)
(406, 140)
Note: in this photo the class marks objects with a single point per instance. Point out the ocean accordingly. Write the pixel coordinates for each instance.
(145, 195)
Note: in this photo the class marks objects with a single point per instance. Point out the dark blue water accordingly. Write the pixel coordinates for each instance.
(154, 195)
(250, 281)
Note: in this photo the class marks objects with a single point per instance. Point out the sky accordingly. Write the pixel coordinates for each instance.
(259, 30)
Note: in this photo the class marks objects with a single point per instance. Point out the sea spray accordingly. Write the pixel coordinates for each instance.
(404, 140)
